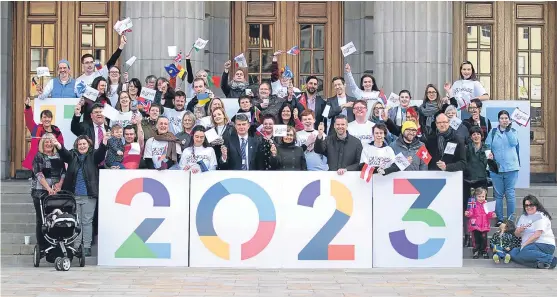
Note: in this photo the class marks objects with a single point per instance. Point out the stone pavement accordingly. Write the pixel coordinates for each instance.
(148, 281)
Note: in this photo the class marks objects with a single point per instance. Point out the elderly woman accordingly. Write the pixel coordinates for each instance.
(188, 122)
(538, 240)
(82, 179)
(48, 177)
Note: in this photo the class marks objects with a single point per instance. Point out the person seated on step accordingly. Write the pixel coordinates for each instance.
(503, 241)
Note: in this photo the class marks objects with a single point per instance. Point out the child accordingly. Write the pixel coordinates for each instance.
(478, 223)
(503, 241)
(115, 154)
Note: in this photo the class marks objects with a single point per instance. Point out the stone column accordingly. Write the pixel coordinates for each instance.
(6, 21)
(217, 30)
(412, 45)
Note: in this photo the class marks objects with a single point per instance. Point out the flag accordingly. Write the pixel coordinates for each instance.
(257, 114)
(171, 70)
(144, 104)
(294, 51)
(130, 61)
(182, 72)
(303, 101)
(178, 58)
(33, 81)
(471, 203)
(202, 102)
(199, 44)
(382, 97)
(98, 65)
(80, 88)
(367, 172)
(423, 154)
(213, 80)
(287, 73)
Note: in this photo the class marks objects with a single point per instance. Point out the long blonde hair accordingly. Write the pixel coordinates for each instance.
(47, 136)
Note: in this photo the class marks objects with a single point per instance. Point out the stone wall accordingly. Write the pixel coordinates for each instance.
(6, 21)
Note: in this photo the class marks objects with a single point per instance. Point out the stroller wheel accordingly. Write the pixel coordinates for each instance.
(66, 263)
(36, 256)
(58, 263)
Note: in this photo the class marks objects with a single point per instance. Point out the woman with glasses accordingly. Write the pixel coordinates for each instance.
(431, 106)
(475, 109)
(538, 240)
(114, 85)
(468, 87)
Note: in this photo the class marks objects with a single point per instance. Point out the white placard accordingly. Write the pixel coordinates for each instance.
(200, 43)
(172, 51)
(279, 130)
(205, 122)
(489, 207)
(463, 91)
(249, 92)
(455, 123)
(91, 93)
(123, 25)
(409, 236)
(326, 111)
(401, 161)
(450, 148)
(393, 100)
(520, 117)
(131, 60)
(148, 94)
(211, 135)
(135, 149)
(155, 207)
(280, 219)
(487, 153)
(62, 111)
(110, 112)
(348, 49)
(241, 60)
(42, 71)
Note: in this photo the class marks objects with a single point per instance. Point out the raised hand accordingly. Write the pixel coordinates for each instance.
(347, 68)
(273, 150)
(126, 76)
(295, 113)
(123, 41)
(224, 152)
(77, 110)
(27, 101)
(39, 89)
(447, 87)
(227, 65)
(320, 130)
(107, 136)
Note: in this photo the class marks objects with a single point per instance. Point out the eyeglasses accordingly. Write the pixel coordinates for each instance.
(473, 108)
(411, 130)
(360, 108)
(444, 122)
(432, 92)
(529, 205)
(114, 72)
(379, 108)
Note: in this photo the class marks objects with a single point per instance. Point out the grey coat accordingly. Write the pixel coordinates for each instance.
(399, 146)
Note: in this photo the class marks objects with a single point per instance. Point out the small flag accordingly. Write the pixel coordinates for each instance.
(182, 73)
(257, 114)
(214, 80)
(171, 70)
(200, 44)
(294, 51)
(382, 97)
(202, 102)
(423, 154)
(178, 58)
(130, 61)
(202, 166)
(33, 81)
(80, 88)
(241, 60)
(471, 203)
(367, 172)
(98, 65)
(144, 104)
(287, 72)
(303, 101)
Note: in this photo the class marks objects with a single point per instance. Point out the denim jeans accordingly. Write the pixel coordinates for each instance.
(533, 253)
(503, 184)
(86, 211)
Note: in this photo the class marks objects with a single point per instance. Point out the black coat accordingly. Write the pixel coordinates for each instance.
(340, 153)
(335, 109)
(90, 169)
(455, 162)
(291, 157)
(227, 90)
(234, 157)
(84, 128)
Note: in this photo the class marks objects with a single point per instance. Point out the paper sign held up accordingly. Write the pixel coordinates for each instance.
(455, 123)
(131, 60)
(401, 161)
(123, 26)
(43, 71)
(172, 51)
(393, 100)
(489, 206)
(110, 112)
(348, 49)
(326, 111)
(211, 135)
(147, 94)
(279, 130)
(91, 93)
(520, 117)
(241, 60)
(135, 149)
(200, 43)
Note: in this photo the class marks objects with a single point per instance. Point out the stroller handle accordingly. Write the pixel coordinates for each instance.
(45, 194)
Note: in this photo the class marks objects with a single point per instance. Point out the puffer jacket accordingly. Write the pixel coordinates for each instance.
(408, 149)
(478, 219)
(340, 153)
(504, 147)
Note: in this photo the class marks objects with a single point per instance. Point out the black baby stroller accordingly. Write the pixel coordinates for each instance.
(61, 228)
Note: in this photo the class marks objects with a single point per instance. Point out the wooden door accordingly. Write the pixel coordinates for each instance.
(261, 28)
(46, 32)
(512, 45)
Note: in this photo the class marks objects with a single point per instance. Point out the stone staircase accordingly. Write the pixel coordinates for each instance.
(18, 220)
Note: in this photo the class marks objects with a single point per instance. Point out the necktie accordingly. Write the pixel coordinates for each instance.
(243, 151)
(100, 135)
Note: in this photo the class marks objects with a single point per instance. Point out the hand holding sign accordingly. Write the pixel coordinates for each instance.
(401, 161)
(450, 148)
(123, 26)
(147, 94)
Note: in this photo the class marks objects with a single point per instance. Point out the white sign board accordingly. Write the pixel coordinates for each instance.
(348, 49)
(63, 111)
(148, 94)
(143, 218)
(420, 219)
(280, 219)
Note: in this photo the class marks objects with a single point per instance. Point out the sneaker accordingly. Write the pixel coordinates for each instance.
(542, 265)
(553, 263)
(496, 259)
(87, 252)
(486, 255)
(507, 258)
(476, 255)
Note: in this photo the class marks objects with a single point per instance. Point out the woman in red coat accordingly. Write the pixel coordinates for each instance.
(37, 131)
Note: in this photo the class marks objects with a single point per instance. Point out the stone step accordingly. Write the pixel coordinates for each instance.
(27, 261)
(8, 208)
(21, 197)
(11, 186)
(18, 238)
(17, 249)
(18, 218)
(18, 227)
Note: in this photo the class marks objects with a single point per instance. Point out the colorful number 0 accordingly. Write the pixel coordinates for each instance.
(319, 247)
(136, 245)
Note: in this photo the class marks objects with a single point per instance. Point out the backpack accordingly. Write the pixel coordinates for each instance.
(494, 130)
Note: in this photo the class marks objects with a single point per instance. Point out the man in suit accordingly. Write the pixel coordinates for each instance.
(310, 100)
(240, 151)
(95, 130)
(341, 103)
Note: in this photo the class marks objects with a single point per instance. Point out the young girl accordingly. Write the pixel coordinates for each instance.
(503, 241)
(478, 223)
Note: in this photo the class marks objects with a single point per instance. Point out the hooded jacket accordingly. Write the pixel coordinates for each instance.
(478, 219)
(476, 163)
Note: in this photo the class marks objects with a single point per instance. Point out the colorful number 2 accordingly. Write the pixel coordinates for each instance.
(427, 190)
(319, 247)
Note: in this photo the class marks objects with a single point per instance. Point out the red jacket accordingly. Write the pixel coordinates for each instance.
(478, 220)
(37, 131)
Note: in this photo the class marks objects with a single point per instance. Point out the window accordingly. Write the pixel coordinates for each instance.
(529, 70)
(94, 41)
(42, 52)
(260, 52)
(312, 53)
(479, 52)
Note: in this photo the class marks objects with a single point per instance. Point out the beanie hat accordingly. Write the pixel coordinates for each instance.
(409, 125)
(65, 62)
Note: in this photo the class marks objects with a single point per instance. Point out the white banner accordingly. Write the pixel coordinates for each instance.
(280, 219)
(62, 110)
(420, 219)
(143, 218)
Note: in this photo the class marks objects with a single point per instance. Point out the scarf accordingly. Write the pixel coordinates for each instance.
(429, 109)
(171, 153)
(238, 86)
(443, 138)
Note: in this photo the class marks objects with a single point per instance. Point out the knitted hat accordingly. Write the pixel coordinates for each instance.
(65, 62)
(409, 125)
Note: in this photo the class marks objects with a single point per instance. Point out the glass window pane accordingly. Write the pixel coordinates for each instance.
(100, 55)
(536, 63)
(86, 35)
(267, 36)
(267, 59)
(523, 63)
(523, 88)
(318, 36)
(536, 115)
(318, 62)
(266, 77)
(305, 62)
(253, 79)
(485, 36)
(473, 57)
(254, 31)
(472, 37)
(48, 35)
(305, 36)
(486, 82)
(32, 91)
(100, 35)
(35, 58)
(536, 89)
(522, 37)
(253, 61)
(36, 35)
(536, 38)
(48, 60)
(485, 62)
(83, 52)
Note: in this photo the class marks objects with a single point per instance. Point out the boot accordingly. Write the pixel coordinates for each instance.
(476, 255)
(467, 241)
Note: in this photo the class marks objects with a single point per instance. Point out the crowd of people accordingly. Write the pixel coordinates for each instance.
(341, 133)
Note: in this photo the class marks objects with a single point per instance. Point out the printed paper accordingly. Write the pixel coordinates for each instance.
(241, 60)
(489, 206)
(91, 93)
(110, 112)
(131, 60)
(279, 130)
(147, 94)
(326, 111)
(518, 116)
(401, 161)
(348, 49)
(123, 26)
(455, 123)
(42, 71)
(450, 148)
(211, 135)
(393, 100)
(487, 153)
(200, 43)
(135, 149)
(172, 51)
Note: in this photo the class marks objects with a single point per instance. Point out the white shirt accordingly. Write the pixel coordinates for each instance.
(247, 148)
(378, 157)
(192, 155)
(124, 119)
(113, 94)
(302, 136)
(341, 101)
(174, 120)
(97, 140)
(88, 79)
(364, 132)
(544, 225)
(156, 150)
